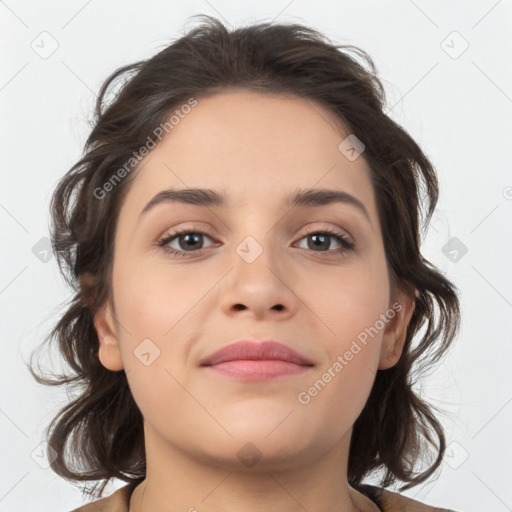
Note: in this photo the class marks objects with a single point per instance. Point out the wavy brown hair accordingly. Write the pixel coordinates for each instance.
(102, 424)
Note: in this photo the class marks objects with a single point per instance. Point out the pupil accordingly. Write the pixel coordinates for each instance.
(323, 242)
(188, 238)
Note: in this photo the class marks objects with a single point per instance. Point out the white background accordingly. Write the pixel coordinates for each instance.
(458, 109)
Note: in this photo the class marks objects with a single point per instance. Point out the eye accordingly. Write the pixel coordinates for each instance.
(190, 241)
(322, 240)
(187, 239)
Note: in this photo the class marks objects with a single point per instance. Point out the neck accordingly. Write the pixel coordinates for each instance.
(199, 485)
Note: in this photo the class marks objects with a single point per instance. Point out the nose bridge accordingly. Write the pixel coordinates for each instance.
(257, 279)
(255, 235)
(258, 239)
(257, 255)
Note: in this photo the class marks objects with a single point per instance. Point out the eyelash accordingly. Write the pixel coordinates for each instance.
(347, 245)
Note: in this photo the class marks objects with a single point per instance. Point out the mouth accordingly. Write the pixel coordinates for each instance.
(257, 361)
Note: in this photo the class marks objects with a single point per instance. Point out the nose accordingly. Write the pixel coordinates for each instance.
(258, 284)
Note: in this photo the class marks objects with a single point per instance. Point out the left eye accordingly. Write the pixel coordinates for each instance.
(188, 241)
(322, 238)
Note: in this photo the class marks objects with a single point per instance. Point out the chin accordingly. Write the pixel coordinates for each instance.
(256, 456)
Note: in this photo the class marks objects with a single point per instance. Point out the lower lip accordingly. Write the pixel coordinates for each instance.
(258, 370)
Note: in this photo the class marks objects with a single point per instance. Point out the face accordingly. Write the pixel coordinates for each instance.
(312, 277)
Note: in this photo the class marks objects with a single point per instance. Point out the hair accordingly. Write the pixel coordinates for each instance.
(397, 429)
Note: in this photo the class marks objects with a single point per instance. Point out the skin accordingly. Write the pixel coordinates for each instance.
(256, 148)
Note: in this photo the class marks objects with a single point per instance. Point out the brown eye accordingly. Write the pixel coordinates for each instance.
(321, 241)
(185, 241)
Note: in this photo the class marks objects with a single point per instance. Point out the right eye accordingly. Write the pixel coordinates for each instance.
(185, 238)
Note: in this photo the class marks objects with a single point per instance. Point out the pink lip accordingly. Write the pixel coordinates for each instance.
(249, 360)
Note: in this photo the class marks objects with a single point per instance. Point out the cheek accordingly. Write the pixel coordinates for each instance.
(350, 302)
(161, 314)
(153, 299)
(350, 332)
(156, 310)
(335, 398)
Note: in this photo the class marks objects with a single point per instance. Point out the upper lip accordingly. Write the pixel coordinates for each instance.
(256, 350)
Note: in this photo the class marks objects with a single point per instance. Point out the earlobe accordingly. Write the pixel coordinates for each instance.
(396, 329)
(109, 352)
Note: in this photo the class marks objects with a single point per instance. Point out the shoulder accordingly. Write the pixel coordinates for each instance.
(389, 501)
(118, 501)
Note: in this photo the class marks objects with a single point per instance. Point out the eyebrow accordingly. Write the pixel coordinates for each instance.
(212, 198)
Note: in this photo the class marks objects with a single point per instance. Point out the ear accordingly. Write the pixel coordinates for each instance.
(396, 329)
(109, 352)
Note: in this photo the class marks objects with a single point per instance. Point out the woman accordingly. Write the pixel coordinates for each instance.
(271, 366)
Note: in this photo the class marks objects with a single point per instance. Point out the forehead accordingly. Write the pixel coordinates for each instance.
(253, 147)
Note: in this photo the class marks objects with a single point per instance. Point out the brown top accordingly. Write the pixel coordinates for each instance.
(369, 498)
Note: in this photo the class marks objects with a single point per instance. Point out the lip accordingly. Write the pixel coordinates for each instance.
(252, 360)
